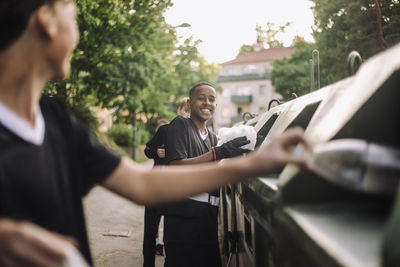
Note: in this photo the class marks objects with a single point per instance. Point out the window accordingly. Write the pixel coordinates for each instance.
(249, 69)
(243, 91)
(230, 71)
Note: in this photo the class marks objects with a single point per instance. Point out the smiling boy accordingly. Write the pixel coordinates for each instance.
(191, 230)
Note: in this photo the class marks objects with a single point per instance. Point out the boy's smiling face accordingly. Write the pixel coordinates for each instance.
(203, 103)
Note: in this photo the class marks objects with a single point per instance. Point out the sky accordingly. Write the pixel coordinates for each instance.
(225, 25)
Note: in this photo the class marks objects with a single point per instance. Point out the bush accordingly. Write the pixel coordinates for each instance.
(121, 134)
(142, 135)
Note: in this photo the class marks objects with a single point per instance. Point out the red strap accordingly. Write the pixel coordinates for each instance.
(214, 154)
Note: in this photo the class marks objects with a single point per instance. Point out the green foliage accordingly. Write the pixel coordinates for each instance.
(127, 60)
(267, 37)
(292, 75)
(191, 68)
(121, 134)
(244, 49)
(142, 135)
(340, 27)
(343, 26)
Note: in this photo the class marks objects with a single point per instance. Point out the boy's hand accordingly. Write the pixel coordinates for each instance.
(25, 244)
(232, 148)
(280, 151)
(161, 153)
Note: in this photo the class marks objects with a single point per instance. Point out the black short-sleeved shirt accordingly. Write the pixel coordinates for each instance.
(189, 221)
(44, 183)
(158, 141)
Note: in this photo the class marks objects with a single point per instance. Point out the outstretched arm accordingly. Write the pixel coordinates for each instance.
(25, 244)
(173, 183)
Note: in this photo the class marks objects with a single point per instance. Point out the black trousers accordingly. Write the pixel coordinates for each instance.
(152, 217)
(193, 255)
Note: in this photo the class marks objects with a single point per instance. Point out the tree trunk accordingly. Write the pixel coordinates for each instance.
(134, 136)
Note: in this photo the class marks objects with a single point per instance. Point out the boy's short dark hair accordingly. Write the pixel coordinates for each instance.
(14, 16)
(193, 89)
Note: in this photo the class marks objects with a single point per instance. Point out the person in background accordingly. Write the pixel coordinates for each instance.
(152, 215)
(184, 108)
(41, 213)
(191, 230)
(155, 149)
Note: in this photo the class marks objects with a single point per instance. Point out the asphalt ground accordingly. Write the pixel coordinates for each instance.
(115, 229)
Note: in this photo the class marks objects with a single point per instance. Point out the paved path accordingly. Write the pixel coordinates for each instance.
(115, 229)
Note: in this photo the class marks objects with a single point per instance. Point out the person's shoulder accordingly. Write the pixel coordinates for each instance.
(163, 127)
(53, 104)
(179, 120)
(56, 112)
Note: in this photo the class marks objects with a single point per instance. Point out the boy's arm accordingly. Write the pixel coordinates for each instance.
(25, 244)
(229, 149)
(173, 183)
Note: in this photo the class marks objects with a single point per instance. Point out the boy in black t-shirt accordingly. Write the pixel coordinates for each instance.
(191, 232)
(49, 161)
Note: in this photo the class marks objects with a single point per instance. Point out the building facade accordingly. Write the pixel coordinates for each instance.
(246, 85)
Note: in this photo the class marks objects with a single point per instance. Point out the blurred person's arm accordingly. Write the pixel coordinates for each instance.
(26, 244)
(173, 183)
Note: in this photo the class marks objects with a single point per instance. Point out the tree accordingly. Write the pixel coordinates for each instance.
(123, 51)
(367, 26)
(94, 62)
(244, 49)
(292, 75)
(265, 37)
(191, 67)
(127, 61)
(268, 36)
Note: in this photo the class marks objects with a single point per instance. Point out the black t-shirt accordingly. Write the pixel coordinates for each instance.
(189, 221)
(184, 140)
(158, 141)
(44, 183)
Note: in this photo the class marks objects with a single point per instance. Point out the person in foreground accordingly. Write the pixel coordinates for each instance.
(49, 161)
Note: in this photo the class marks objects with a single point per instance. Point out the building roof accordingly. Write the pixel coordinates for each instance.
(262, 55)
